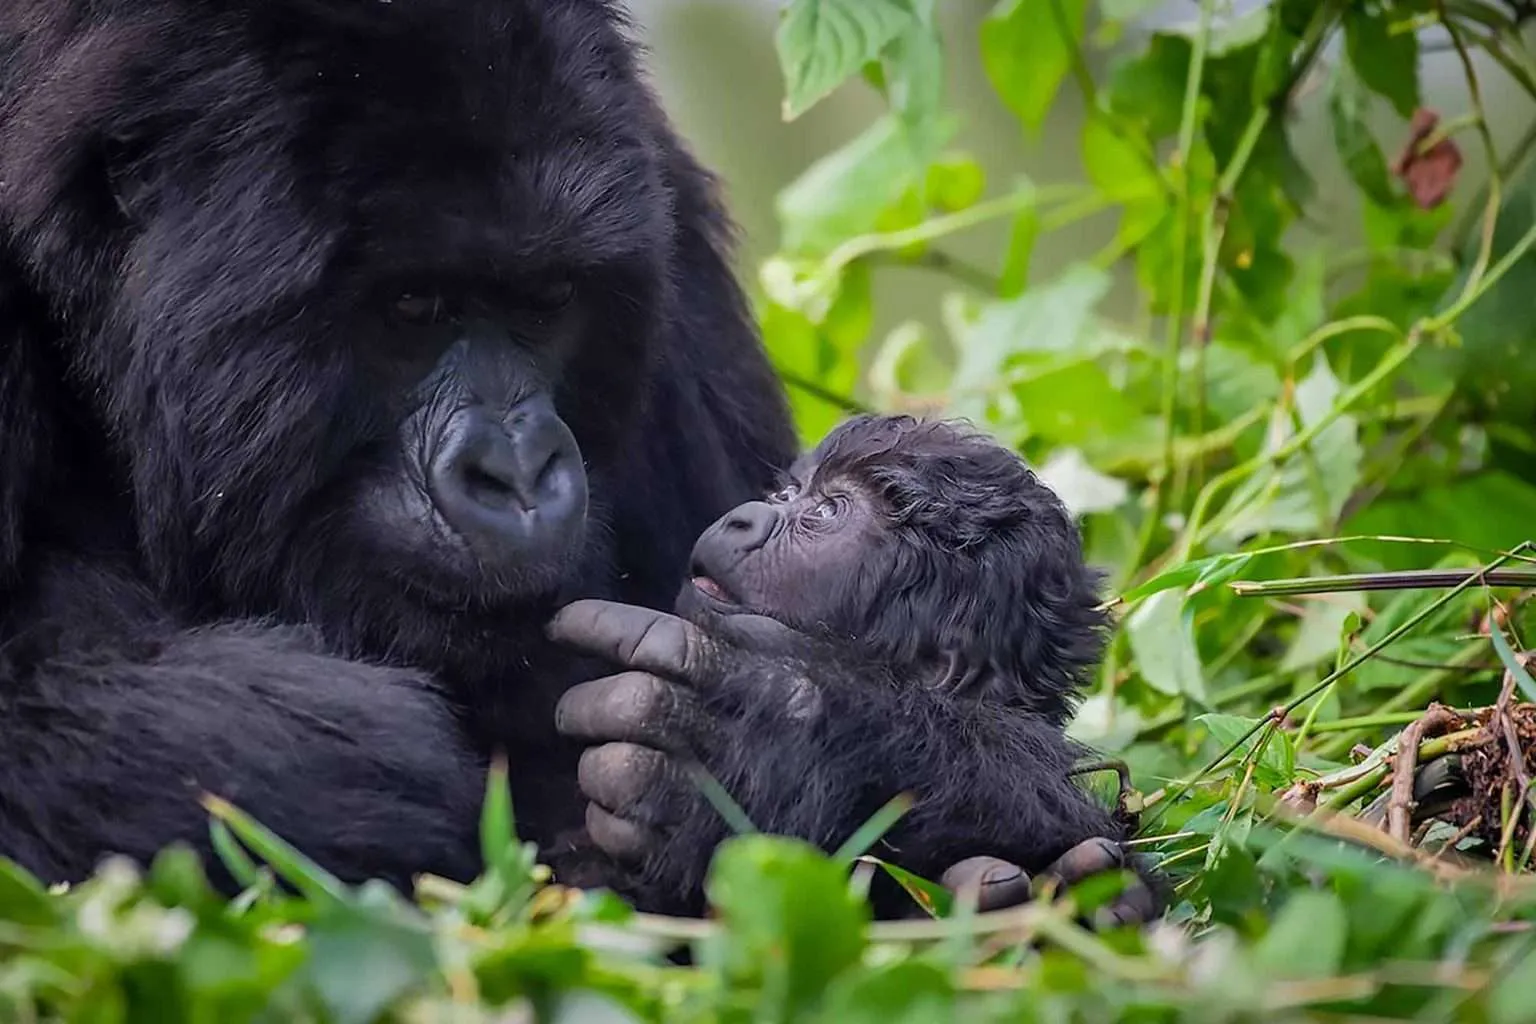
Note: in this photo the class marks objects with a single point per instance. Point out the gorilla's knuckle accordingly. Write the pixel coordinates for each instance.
(644, 699)
(617, 836)
(662, 645)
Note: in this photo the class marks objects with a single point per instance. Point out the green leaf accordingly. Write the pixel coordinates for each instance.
(1149, 89)
(1509, 1000)
(1491, 363)
(316, 883)
(1072, 402)
(1386, 61)
(790, 924)
(1210, 571)
(1163, 643)
(1276, 764)
(823, 42)
(1026, 53)
(361, 962)
(1309, 489)
(1083, 489)
(914, 83)
(1048, 318)
(1506, 510)
(1307, 938)
(870, 832)
(954, 182)
(936, 900)
(1235, 382)
(911, 992)
(23, 899)
(497, 830)
(1348, 104)
(1116, 164)
(845, 193)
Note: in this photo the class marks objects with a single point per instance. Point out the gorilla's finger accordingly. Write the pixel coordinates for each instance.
(1089, 857)
(635, 707)
(1136, 905)
(618, 837)
(997, 883)
(636, 637)
(640, 784)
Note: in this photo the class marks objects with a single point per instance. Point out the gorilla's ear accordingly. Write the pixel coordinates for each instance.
(26, 418)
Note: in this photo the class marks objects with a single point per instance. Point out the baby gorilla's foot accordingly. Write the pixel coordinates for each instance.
(999, 884)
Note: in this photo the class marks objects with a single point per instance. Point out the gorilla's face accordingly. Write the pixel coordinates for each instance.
(364, 296)
(814, 556)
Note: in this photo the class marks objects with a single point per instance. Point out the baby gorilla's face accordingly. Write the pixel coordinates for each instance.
(807, 556)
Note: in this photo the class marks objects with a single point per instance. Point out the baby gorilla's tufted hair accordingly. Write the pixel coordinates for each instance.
(986, 574)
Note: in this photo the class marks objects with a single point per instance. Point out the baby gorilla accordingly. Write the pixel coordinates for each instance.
(925, 546)
(907, 573)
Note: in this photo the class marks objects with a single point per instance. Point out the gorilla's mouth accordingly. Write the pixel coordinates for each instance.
(713, 590)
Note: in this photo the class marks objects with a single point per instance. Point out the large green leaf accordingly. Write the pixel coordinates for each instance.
(1386, 60)
(823, 42)
(1163, 641)
(791, 925)
(1307, 491)
(846, 192)
(1026, 49)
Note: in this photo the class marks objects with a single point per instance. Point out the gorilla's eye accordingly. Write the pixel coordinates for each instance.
(826, 508)
(550, 296)
(417, 309)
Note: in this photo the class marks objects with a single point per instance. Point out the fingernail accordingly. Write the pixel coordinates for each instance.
(1000, 874)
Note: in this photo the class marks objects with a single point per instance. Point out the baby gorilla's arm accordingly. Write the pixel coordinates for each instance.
(810, 744)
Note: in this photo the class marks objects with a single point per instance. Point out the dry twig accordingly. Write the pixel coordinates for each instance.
(1400, 809)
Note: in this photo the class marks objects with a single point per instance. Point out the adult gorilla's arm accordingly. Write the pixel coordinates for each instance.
(362, 767)
(811, 746)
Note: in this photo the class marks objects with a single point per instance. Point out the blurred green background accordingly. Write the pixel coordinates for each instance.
(714, 64)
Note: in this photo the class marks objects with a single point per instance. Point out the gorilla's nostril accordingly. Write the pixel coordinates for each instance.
(488, 489)
(508, 487)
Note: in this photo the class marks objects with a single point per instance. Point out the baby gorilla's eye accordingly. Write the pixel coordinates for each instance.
(827, 508)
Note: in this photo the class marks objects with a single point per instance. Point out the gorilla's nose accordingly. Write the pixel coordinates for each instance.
(509, 484)
(748, 527)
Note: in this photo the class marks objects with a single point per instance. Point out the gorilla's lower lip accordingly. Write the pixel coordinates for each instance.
(710, 589)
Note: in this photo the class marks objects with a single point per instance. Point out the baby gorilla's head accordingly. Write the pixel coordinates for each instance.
(928, 545)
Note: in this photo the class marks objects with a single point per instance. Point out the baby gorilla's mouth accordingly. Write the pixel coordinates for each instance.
(709, 588)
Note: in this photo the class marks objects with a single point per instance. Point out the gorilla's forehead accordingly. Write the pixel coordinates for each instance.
(490, 129)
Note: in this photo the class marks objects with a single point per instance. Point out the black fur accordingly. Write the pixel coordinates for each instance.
(197, 199)
(986, 780)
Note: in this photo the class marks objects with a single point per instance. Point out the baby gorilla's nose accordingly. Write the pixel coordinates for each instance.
(509, 485)
(747, 527)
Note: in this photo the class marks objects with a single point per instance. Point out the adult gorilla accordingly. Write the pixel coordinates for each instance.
(340, 343)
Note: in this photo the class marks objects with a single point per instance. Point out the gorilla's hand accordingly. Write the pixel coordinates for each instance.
(650, 722)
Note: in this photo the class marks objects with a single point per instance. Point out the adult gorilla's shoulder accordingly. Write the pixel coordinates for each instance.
(339, 343)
